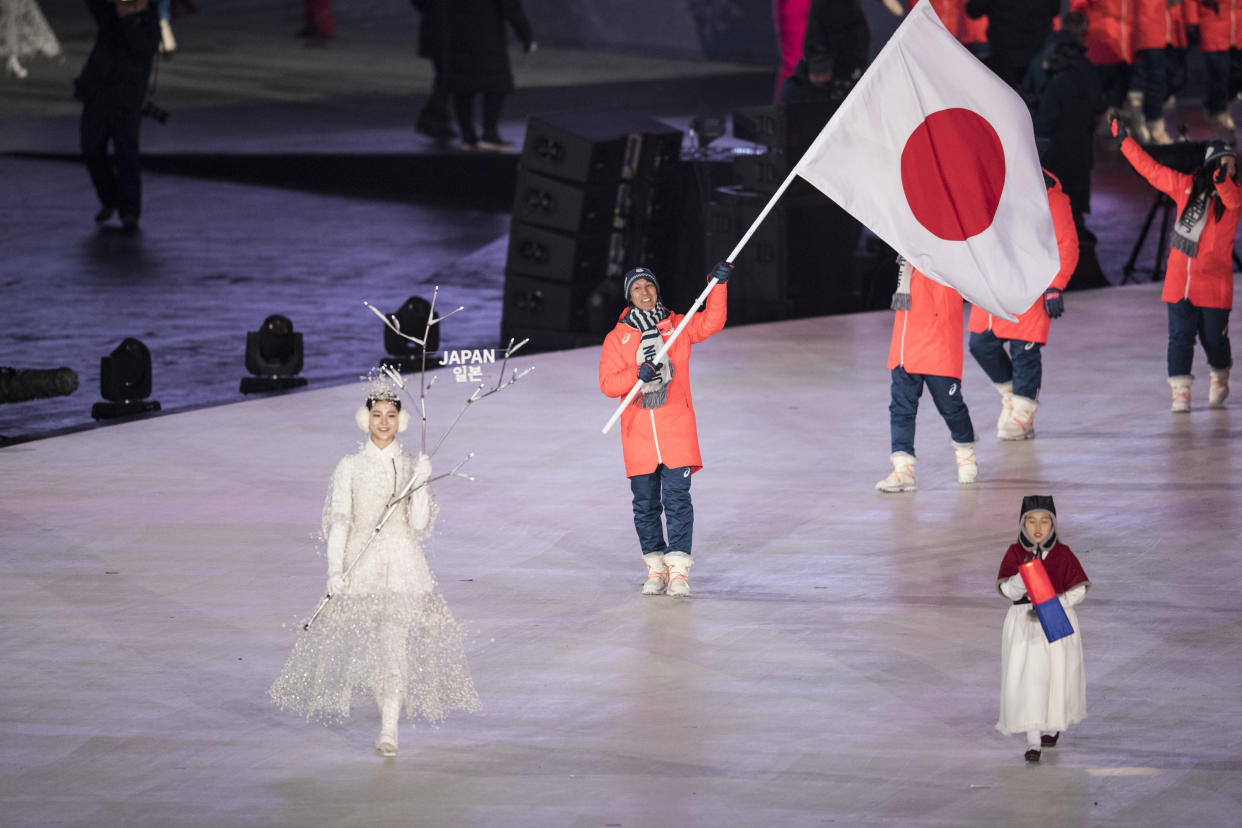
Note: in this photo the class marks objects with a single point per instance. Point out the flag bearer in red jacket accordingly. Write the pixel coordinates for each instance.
(659, 439)
(1019, 375)
(926, 350)
(1198, 282)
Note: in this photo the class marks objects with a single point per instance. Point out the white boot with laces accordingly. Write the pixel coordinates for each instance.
(1021, 425)
(1181, 392)
(657, 574)
(1218, 391)
(967, 464)
(678, 564)
(901, 478)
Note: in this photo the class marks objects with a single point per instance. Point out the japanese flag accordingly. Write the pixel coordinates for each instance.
(936, 155)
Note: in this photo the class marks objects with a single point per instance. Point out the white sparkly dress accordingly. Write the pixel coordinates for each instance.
(23, 32)
(389, 631)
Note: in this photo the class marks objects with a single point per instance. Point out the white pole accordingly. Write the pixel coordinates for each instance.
(668, 343)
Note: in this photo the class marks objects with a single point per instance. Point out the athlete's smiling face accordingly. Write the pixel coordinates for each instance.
(643, 294)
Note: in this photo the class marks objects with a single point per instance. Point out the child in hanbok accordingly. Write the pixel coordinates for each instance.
(1043, 685)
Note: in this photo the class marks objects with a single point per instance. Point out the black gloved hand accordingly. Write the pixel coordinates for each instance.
(1053, 303)
(1119, 130)
(649, 371)
(722, 271)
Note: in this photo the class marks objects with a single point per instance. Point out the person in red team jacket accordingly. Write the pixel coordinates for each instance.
(1019, 375)
(659, 438)
(1198, 283)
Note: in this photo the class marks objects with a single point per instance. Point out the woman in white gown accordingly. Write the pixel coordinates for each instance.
(386, 633)
(23, 32)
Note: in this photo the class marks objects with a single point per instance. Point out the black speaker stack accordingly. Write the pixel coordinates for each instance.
(801, 259)
(596, 194)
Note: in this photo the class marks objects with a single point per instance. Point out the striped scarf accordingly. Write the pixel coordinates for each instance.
(654, 393)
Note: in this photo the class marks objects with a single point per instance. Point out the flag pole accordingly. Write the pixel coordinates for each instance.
(668, 343)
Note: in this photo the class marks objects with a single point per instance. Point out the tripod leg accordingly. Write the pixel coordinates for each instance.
(1128, 268)
(1157, 275)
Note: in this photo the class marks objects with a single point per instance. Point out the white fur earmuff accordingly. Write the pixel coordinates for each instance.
(363, 418)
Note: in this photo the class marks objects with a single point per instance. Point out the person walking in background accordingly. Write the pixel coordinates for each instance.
(1019, 375)
(476, 63)
(926, 350)
(834, 53)
(1218, 22)
(24, 31)
(1110, 49)
(1017, 30)
(1198, 282)
(112, 88)
(434, 120)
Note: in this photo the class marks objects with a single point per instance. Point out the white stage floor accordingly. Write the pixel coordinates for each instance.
(839, 662)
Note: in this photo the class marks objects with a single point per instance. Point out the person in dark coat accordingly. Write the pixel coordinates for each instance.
(1017, 30)
(112, 88)
(834, 53)
(434, 120)
(1069, 105)
(476, 62)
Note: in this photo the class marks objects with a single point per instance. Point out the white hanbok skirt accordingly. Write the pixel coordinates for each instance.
(1043, 686)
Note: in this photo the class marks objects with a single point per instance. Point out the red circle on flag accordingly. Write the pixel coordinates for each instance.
(952, 172)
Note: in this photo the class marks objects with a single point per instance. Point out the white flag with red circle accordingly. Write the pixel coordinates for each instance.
(936, 155)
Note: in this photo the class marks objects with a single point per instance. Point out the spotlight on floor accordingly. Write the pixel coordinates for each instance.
(125, 382)
(274, 356)
(411, 318)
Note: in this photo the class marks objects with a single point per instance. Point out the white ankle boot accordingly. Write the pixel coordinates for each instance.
(167, 41)
(1006, 391)
(1021, 425)
(657, 574)
(967, 464)
(678, 564)
(1181, 392)
(1223, 126)
(901, 479)
(1218, 391)
(390, 716)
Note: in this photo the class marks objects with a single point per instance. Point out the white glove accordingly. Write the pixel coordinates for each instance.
(336, 583)
(422, 469)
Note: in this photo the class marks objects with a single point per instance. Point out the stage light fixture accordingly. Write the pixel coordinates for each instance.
(411, 318)
(125, 382)
(274, 356)
(707, 128)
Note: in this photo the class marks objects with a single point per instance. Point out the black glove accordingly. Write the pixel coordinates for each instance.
(722, 271)
(1053, 303)
(649, 371)
(1119, 131)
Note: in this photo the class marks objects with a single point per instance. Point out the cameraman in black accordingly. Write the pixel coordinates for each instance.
(112, 89)
(834, 53)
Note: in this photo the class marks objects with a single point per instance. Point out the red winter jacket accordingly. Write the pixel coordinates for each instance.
(651, 436)
(1207, 279)
(1218, 30)
(927, 339)
(1033, 324)
(1157, 25)
(1110, 25)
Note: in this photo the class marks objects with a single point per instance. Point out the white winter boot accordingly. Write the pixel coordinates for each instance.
(1006, 392)
(1021, 425)
(901, 479)
(657, 574)
(390, 715)
(1159, 134)
(678, 564)
(1219, 389)
(1181, 392)
(1133, 116)
(967, 465)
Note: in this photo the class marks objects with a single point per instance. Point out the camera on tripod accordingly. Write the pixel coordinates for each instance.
(150, 110)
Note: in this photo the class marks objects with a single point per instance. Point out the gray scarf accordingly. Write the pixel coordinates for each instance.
(1189, 225)
(654, 393)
